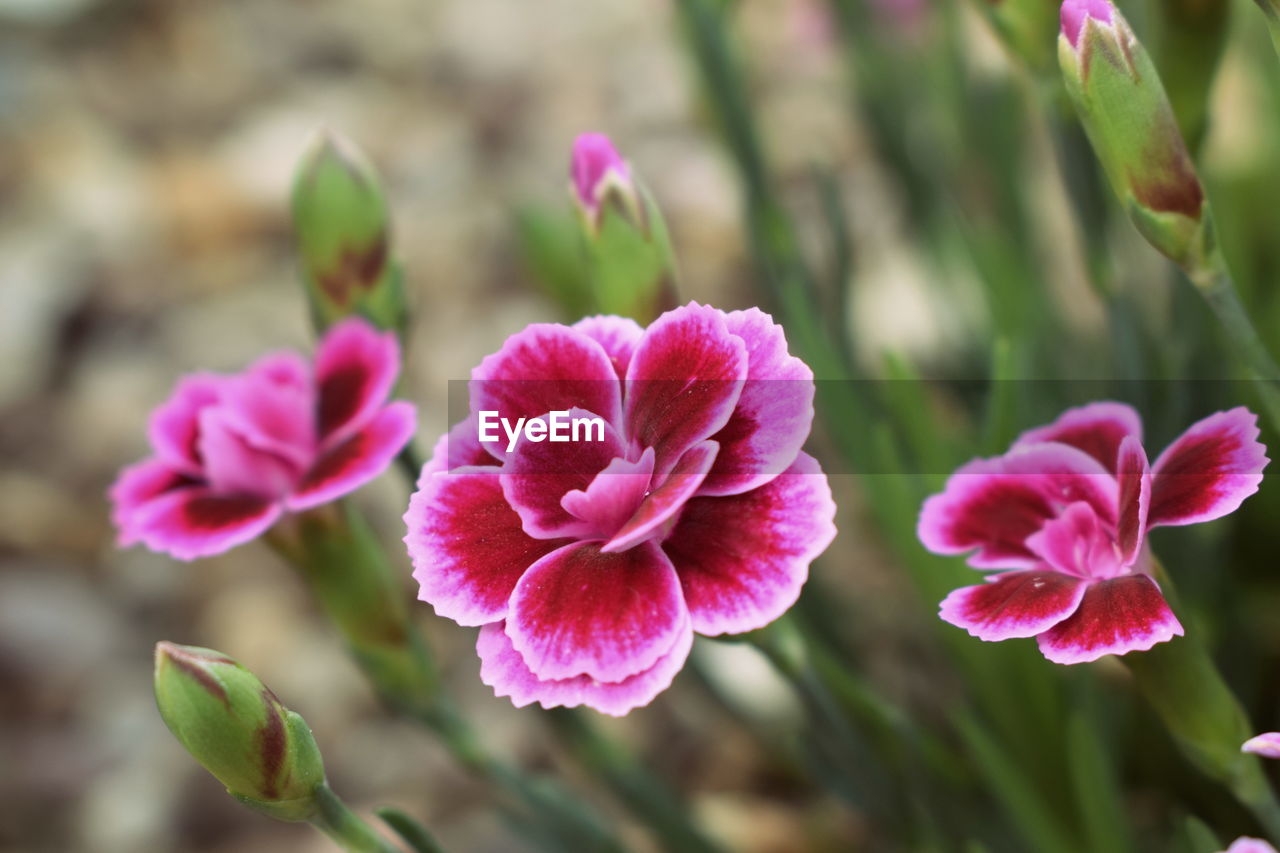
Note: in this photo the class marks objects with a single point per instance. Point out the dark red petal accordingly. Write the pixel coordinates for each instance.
(197, 522)
(578, 611)
(1134, 475)
(358, 459)
(467, 547)
(684, 382)
(356, 368)
(1014, 604)
(1117, 616)
(742, 559)
(1208, 471)
(1097, 429)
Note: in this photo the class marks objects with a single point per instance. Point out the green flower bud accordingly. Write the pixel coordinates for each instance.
(1130, 123)
(344, 237)
(629, 255)
(239, 731)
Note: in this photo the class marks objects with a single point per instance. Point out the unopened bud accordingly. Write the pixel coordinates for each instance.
(1130, 123)
(601, 177)
(630, 262)
(238, 730)
(344, 237)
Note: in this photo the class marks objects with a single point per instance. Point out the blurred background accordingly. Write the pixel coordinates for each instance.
(909, 170)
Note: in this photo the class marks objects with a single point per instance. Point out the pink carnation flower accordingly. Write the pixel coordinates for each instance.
(1068, 509)
(591, 564)
(232, 453)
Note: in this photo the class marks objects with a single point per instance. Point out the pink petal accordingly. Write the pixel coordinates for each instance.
(684, 381)
(1076, 543)
(460, 447)
(667, 499)
(234, 466)
(1267, 745)
(1116, 616)
(502, 668)
(467, 547)
(1097, 429)
(578, 611)
(272, 406)
(618, 335)
(613, 495)
(991, 506)
(774, 413)
(197, 522)
(1134, 475)
(1209, 470)
(1245, 844)
(356, 368)
(1013, 604)
(135, 489)
(174, 429)
(742, 559)
(545, 368)
(1075, 13)
(358, 459)
(537, 475)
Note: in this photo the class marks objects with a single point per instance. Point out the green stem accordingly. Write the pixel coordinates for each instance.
(339, 556)
(644, 795)
(785, 646)
(413, 833)
(1215, 284)
(1181, 682)
(347, 830)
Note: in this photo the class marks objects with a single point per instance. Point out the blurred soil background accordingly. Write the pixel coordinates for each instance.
(146, 152)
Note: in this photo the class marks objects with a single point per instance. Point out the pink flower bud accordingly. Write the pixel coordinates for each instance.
(594, 166)
(1076, 12)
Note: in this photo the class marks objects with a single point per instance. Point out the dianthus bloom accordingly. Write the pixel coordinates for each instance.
(232, 453)
(591, 563)
(1067, 508)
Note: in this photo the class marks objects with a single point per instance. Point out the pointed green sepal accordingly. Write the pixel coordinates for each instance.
(238, 730)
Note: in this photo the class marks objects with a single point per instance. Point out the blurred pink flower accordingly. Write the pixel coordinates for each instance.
(591, 564)
(1068, 509)
(1267, 745)
(232, 453)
